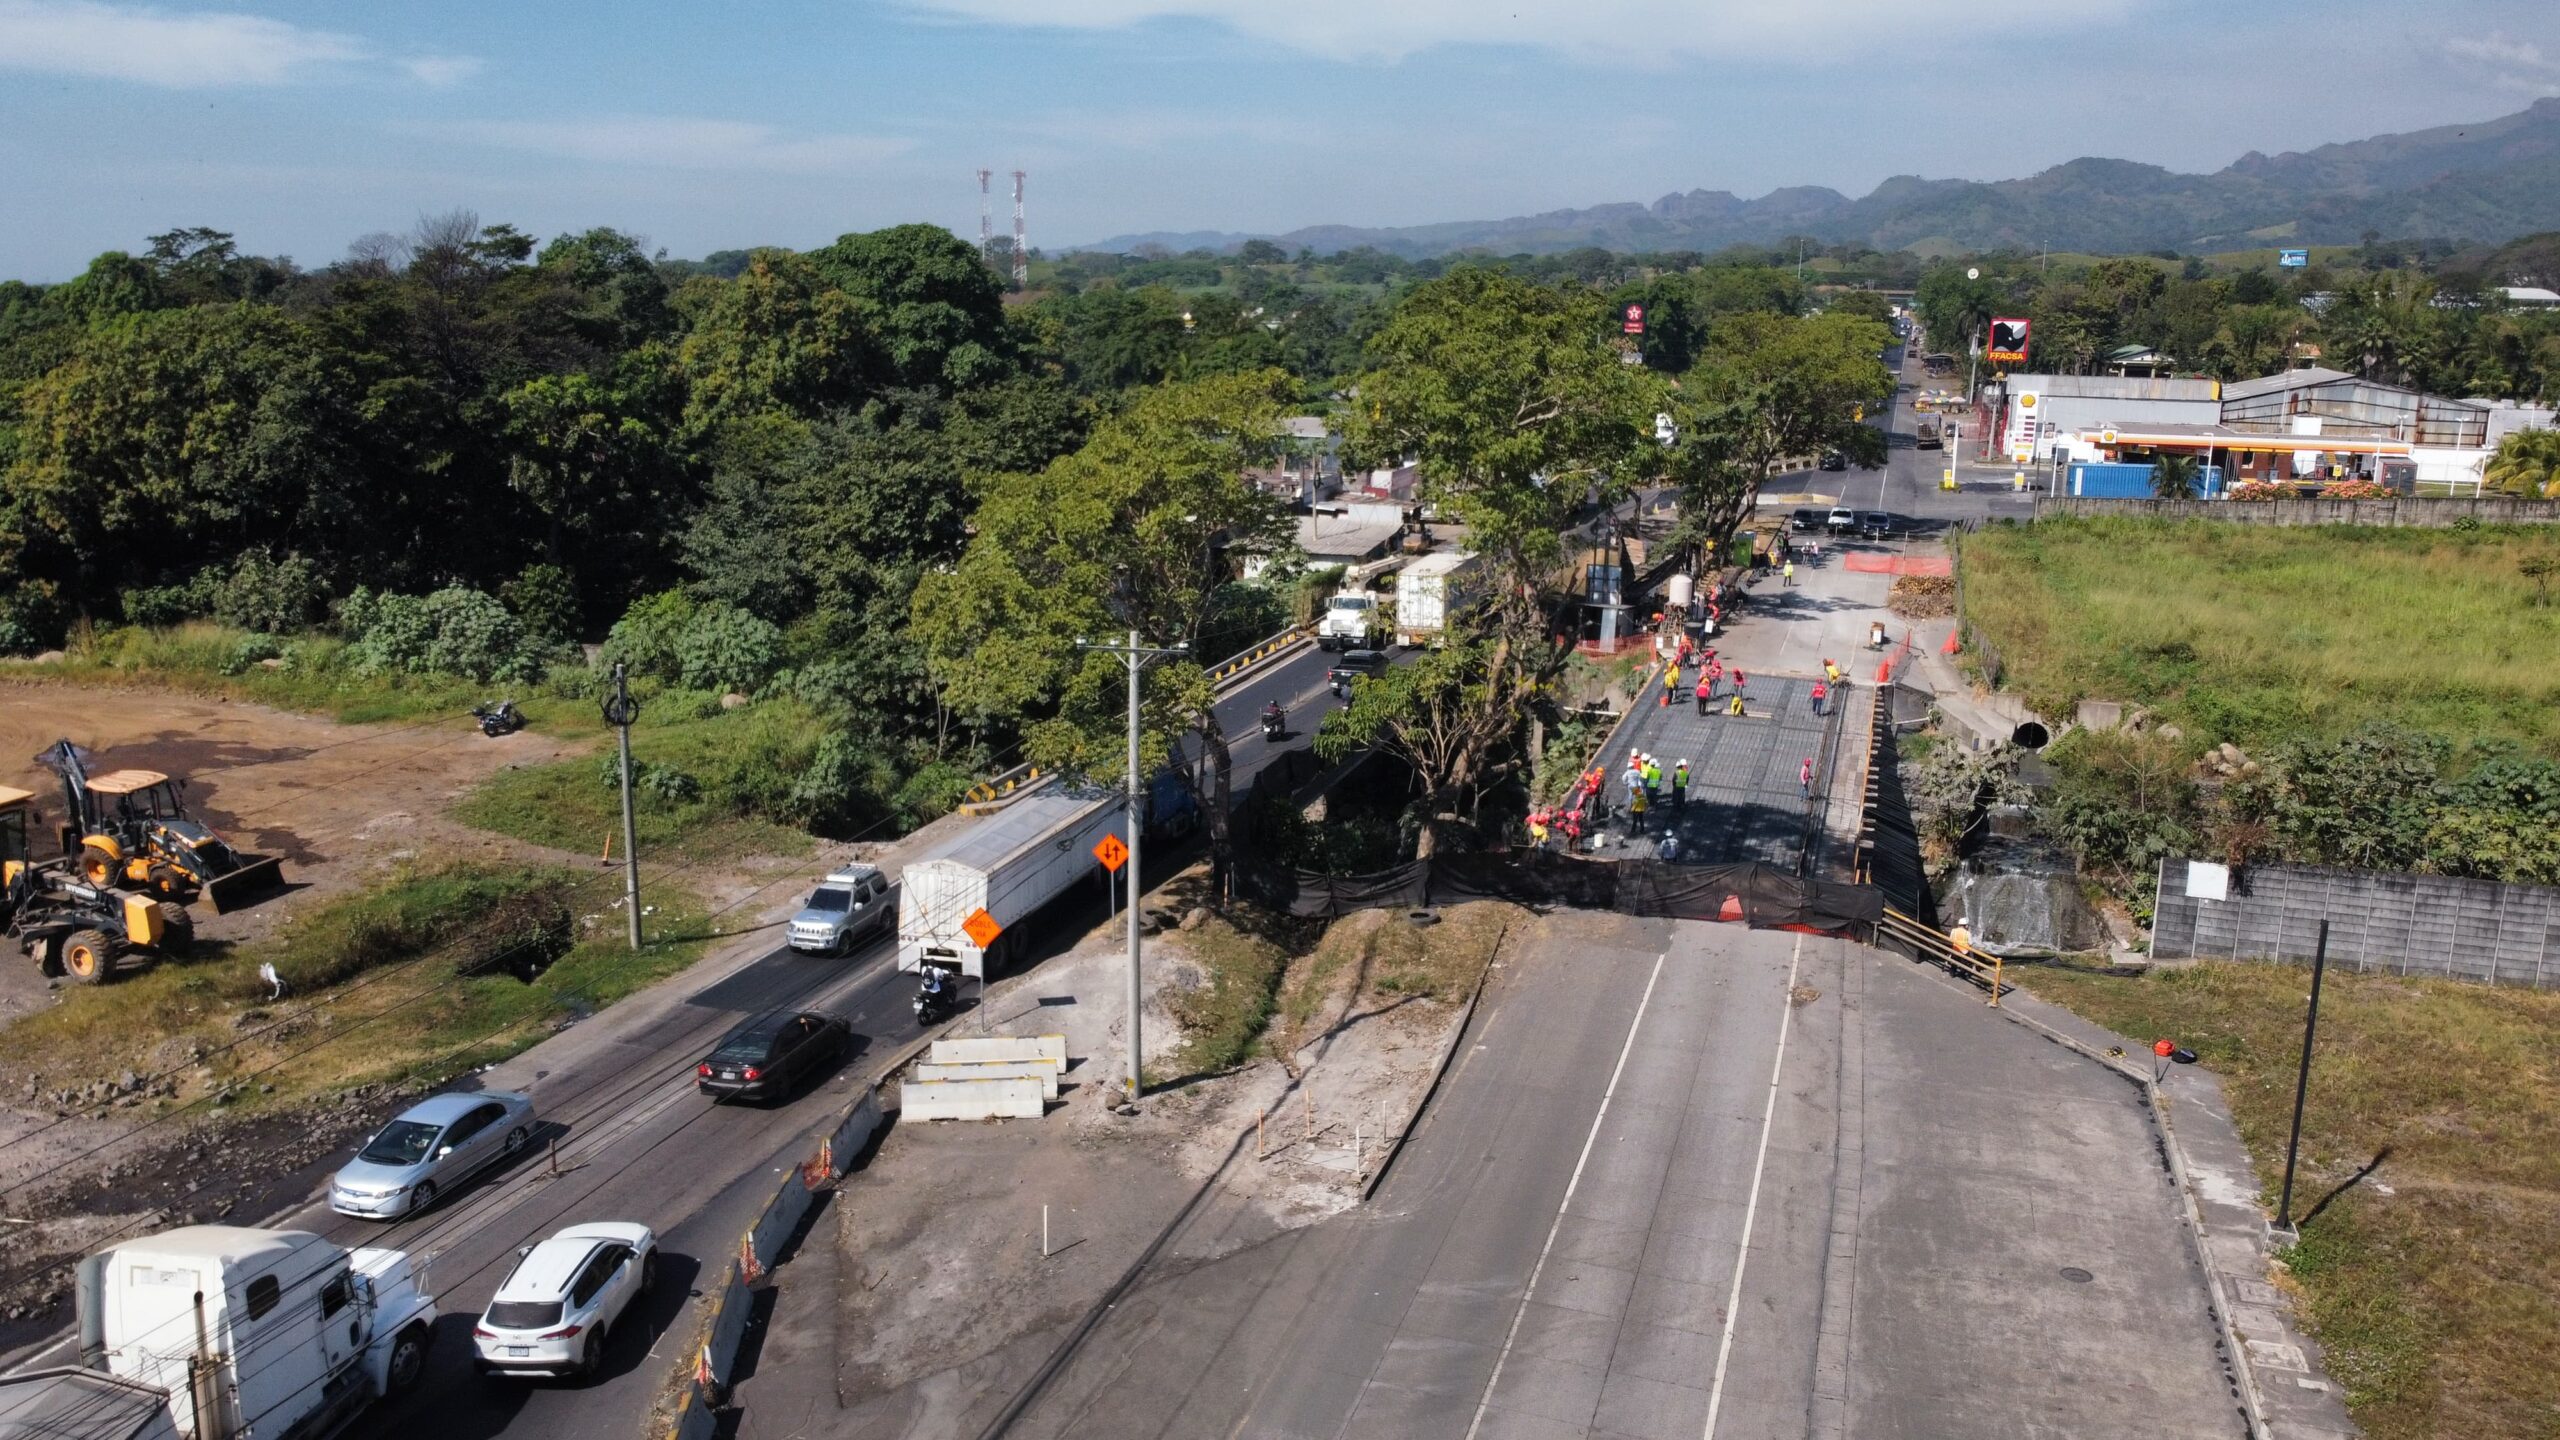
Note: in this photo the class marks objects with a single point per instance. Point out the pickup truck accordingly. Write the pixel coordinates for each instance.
(1842, 521)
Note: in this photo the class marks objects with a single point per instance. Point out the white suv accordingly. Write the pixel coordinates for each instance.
(551, 1315)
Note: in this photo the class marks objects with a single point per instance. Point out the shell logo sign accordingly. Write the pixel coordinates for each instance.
(2027, 400)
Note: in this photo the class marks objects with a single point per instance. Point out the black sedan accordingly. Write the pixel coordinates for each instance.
(772, 1055)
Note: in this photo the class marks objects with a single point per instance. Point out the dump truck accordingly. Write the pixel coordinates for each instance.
(220, 1332)
(1431, 592)
(1010, 864)
(130, 829)
(69, 927)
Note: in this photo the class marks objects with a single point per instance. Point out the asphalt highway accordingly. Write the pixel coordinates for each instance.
(624, 1136)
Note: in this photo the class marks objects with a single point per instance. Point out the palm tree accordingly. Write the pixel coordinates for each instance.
(2173, 477)
(2526, 465)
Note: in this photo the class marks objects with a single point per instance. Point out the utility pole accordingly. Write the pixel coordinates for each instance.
(2302, 1078)
(619, 711)
(1135, 656)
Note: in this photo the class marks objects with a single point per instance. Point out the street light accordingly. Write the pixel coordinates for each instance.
(1135, 656)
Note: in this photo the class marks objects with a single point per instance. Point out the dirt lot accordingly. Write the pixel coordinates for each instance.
(936, 1292)
(337, 802)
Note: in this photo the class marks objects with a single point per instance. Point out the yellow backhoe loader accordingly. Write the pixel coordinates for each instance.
(130, 830)
(86, 932)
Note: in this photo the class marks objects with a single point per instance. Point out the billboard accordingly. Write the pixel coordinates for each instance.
(1635, 319)
(2293, 259)
(2008, 342)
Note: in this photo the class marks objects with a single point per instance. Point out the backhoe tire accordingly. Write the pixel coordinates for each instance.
(89, 956)
(180, 935)
(166, 881)
(97, 867)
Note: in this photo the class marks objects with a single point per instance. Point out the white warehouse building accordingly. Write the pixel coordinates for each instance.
(2037, 411)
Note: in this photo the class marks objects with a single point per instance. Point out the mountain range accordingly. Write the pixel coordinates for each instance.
(2480, 182)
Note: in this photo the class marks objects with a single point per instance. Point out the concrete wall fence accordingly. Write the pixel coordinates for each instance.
(2398, 924)
(731, 1299)
(2432, 514)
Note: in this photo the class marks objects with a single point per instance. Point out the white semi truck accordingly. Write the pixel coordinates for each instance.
(1349, 622)
(1013, 862)
(1431, 592)
(218, 1332)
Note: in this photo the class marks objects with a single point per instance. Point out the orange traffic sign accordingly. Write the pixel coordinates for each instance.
(1111, 853)
(981, 928)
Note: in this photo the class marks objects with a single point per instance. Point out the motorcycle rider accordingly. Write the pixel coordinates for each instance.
(1274, 720)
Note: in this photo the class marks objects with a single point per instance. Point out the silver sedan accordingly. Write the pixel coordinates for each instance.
(433, 1146)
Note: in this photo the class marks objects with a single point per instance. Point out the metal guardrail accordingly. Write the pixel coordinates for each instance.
(1936, 947)
(1002, 789)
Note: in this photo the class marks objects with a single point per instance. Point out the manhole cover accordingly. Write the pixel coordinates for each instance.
(2076, 1275)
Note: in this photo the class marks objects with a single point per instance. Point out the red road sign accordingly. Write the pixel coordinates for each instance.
(1111, 853)
(981, 928)
(1635, 319)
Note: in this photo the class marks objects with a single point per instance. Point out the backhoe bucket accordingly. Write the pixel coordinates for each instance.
(258, 877)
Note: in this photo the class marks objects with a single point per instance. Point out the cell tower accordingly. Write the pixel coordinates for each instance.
(986, 221)
(1021, 247)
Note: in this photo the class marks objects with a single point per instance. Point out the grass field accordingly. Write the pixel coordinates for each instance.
(377, 991)
(2435, 1283)
(2251, 633)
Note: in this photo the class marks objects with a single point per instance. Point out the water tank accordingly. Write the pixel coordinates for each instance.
(1683, 590)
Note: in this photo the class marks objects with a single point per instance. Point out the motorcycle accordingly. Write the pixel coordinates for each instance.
(937, 998)
(1275, 723)
(502, 718)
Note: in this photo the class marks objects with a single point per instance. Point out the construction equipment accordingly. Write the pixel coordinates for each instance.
(132, 831)
(86, 932)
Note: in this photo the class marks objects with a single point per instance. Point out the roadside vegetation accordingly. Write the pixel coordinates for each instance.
(428, 973)
(2434, 1281)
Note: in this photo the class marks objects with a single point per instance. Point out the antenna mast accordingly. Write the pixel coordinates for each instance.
(1021, 247)
(986, 223)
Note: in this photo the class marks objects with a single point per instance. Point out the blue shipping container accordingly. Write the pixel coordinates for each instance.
(2097, 481)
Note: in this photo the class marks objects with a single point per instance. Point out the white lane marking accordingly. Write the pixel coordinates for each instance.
(1484, 1402)
(1768, 1116)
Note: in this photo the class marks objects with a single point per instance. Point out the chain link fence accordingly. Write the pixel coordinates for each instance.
(2481, 930)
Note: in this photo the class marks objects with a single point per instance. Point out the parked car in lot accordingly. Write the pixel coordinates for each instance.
(772, 1055)
(848, 907)
(1842, 521)
(1802, 520)
(552, 1313)
(433, 1146)
(1877, 525)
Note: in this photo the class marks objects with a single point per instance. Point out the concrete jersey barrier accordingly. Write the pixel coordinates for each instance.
(1018, 1099)
(997, 1049)
(1044, 1071)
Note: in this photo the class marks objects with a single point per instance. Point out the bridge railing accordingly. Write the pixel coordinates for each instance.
(1925, 942)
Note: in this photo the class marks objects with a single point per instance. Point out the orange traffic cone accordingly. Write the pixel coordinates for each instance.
(1951, 646)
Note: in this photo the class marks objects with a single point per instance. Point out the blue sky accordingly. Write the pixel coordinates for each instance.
(301, 126)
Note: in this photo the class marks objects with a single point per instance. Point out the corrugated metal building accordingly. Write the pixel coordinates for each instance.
(2320, 401)
(2041, 409)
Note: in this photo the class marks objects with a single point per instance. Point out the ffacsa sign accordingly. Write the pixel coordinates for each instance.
(2008, 342)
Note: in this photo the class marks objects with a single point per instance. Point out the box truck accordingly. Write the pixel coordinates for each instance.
(1430, 593)
(1012, 863)
(220, 1332)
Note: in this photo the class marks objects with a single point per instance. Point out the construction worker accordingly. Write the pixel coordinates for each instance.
(1736, 707)
(1960, 940)
(1538, 829)
(1635, 811)
(1572, 831)
(1680, 784)
(1635, 777)
(1652, 779)
(1819, 692)
(1788, 572)
(1832, 673)
(1804, 776)
(1706, 692)
(1670, 683)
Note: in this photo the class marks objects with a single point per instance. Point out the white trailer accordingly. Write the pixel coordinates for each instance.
(1009, 865)
(234, 1334)
(1430, 592)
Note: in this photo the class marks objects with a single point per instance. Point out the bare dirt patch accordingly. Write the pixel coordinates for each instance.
(337, 802)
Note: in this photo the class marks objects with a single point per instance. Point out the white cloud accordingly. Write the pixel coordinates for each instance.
(158, 47)
(441, 71)
(2516, 66)
(679, 142)
(1634, 33)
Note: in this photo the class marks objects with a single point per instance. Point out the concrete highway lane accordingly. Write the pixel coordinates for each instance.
(1558, 1250)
